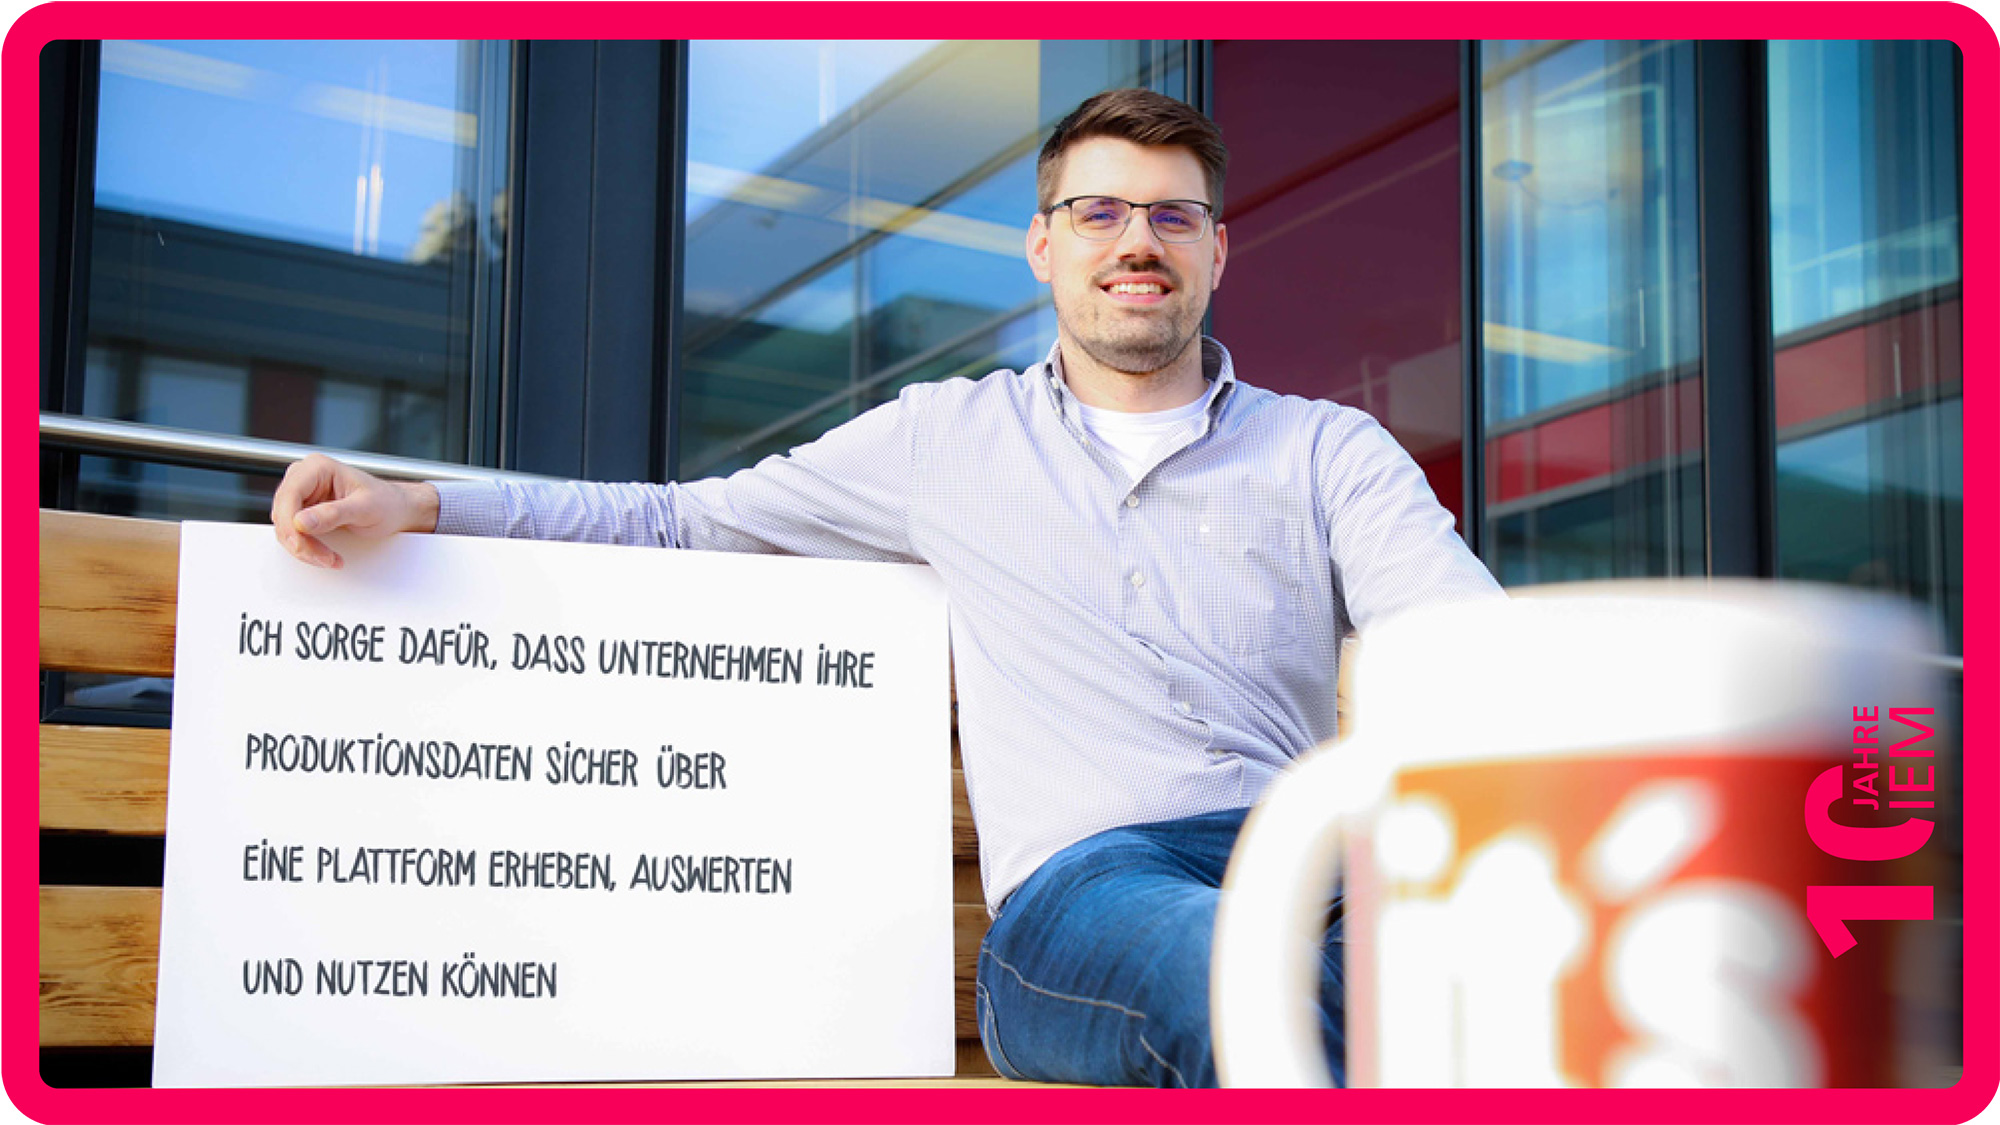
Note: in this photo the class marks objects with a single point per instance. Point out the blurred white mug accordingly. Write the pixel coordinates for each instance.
(1574, 849)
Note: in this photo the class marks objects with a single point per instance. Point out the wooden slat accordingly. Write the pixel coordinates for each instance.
(964, 838)
(969, 924)
(965, 886)
(108, 593)
(100, 947)
(100, 951)
(114, 779)
(968, 928)
(972, 1060)
(104, 779)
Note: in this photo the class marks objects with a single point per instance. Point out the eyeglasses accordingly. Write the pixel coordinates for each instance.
(1102, 218)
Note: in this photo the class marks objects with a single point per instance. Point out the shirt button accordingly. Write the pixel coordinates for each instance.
(1132, 501)
(1184, 707)
(1138, 579)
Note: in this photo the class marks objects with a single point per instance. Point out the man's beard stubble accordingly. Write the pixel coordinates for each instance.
(1144, 348)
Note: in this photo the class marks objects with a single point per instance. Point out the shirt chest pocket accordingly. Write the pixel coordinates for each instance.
(1251, 573)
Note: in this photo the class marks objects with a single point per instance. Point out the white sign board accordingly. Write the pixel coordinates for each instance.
(475, 811)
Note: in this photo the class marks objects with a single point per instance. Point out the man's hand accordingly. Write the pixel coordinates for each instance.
(319, 494)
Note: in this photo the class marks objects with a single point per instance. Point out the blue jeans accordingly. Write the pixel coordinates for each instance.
(1095, 970)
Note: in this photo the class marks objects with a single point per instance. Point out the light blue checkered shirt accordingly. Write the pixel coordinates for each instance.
(1126, 650)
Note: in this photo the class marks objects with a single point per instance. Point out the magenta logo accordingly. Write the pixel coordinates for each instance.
(1872, 783)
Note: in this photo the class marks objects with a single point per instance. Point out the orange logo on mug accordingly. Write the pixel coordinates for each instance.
(1618, 921)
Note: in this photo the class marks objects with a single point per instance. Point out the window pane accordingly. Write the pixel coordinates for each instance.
(855, 222)
(1867, 317)
(1344, 246)
(291, 240)
(1591, 339)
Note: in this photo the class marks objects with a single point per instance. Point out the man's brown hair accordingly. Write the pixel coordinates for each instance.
(1144, 118)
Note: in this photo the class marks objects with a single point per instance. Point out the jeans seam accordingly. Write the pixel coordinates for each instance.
(992, 1025)
(1091, 1001)
(1032, 987)
(1171, 1068)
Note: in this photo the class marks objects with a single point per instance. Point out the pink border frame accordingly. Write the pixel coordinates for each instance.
(19, 269)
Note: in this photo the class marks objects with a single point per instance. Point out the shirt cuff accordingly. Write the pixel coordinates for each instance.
(467, 507)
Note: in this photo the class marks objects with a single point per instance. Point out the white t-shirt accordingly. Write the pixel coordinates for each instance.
(1132, 438)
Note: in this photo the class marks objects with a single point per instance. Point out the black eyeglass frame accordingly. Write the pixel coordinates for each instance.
(1208, 211)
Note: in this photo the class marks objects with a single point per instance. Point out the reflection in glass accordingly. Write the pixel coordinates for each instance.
(1868, 318)
(1582, 539)
(1879, 504)
(291, 240)
(347, 145)
(1864, 177)
(1591, 341)
(856, 215)
(1344, 245)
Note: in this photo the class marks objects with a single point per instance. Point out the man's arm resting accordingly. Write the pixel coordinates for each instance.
(846, 495)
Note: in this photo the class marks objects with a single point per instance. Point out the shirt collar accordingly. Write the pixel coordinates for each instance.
(1216, 367)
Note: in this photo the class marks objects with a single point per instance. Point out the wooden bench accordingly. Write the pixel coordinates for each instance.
(108, 601)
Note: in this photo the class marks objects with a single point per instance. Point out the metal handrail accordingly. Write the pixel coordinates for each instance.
(225, 451)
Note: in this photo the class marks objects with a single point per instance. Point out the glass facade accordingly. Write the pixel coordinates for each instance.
(1344, 251)
(856, 216)
(290, 240)
(1591, 341)
(1866, 319)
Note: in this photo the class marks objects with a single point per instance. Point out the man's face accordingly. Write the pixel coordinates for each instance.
(1133, 303)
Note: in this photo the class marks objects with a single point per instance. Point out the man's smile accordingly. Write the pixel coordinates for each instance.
(1137, 288)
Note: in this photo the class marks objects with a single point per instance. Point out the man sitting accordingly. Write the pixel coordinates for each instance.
(1150, 566)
